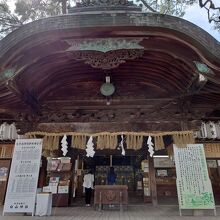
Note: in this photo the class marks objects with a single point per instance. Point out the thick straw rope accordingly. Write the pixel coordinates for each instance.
(107, 140)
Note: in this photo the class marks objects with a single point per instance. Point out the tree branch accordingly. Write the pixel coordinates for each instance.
(211, 6)
(5, 30)
(148, 6)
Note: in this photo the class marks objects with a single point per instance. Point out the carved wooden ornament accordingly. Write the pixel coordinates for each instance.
(105, 53)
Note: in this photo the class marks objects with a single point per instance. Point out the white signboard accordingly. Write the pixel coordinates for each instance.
(163, 162)
(162, 173)
(193, 184)
(211, 163)
(23, 178)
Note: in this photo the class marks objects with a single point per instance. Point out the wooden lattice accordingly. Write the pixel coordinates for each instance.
(6, 150)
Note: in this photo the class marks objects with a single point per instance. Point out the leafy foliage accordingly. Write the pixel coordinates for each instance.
(29, 10)
(170, 7)
(8, 20)
(25, 11)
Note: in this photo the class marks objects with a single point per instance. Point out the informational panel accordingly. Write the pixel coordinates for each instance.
(193, 184)
(212, 163)
(162, 173)
(23, 178)
(160, 162)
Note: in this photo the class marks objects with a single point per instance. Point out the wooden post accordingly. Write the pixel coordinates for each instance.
(153, 186)
(43, 173)
(120, 202)
(82, 165)
(218, 167)
(110, 160)
(100, 201)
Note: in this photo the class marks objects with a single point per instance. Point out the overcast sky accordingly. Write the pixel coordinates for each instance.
(194, 14)
(199, 16)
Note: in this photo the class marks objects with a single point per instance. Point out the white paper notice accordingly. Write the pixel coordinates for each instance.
(193, 184)
(23, 178)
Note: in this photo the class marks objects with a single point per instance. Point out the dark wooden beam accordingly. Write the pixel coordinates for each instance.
(107, 126)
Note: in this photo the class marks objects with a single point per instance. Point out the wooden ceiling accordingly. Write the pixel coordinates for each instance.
(159, 90)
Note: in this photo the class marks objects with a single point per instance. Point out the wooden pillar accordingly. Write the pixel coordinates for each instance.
(153, 186)
(82, 164)
(110, 160)
(42, 173)
(218, 167)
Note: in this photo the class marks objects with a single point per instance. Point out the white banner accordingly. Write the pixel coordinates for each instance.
(23, 178)
(193, 184)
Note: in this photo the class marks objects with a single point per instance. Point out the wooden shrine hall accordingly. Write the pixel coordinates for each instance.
(108, 67)
(164, 72)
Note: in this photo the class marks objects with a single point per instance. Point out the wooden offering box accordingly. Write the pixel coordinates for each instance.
(111, 194)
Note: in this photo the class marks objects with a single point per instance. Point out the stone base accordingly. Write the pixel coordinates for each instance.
(198, 212)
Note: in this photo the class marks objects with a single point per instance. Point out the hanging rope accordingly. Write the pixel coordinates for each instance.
(107, 140)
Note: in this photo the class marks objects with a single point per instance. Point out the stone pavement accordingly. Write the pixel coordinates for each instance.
(148, 212)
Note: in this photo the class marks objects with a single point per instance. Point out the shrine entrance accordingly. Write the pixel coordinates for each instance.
(149, 180)
(109, 72)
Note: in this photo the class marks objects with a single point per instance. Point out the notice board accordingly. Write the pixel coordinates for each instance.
(23, 177)
(193, 184)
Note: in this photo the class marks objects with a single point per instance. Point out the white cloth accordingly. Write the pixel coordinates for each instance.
(4, 130)
(13, 132)
(1, 131)
(88, 180)
(8, 132)
(44, 204)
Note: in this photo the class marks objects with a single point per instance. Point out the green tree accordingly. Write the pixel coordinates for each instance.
(178, 7)
(8, 20)
(26, 11)
(170, 7)
(30, 10)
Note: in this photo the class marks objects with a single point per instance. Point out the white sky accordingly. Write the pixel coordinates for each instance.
(194, 14)
(199, 16)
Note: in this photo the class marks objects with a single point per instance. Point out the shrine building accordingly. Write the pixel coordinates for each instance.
(122, 86)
